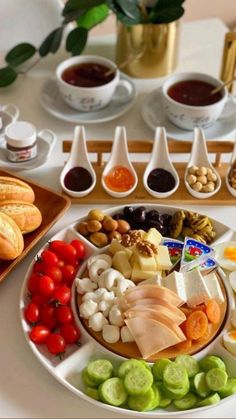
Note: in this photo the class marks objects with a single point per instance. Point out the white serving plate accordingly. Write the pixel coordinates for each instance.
(68, 371)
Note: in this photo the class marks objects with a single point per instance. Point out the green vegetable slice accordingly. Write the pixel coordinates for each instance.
(112, 392)
(175, 394)
(216, 379)
(187, 402)
(200, 384)
(213, 399)
(128, 365)
(92, 392)
(87, 380)
(142, 403)
(164, 401)
(189, 363)
(175, 376)
(138, 381)
(229, 388)
(210, 362)
(100, 370)
(158, 368)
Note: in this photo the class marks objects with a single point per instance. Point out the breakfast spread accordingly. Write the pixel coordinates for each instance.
(119, 179)
(21, 141)
(201, 179)
(161, 180)
(78, 179)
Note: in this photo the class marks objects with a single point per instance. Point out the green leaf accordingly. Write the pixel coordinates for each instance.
(51, 43)
(19, 54)
(73, 5)
(130, 8)
(167, 15)
(7, 76)
(76, 40)
(126, 20)
(93, 16)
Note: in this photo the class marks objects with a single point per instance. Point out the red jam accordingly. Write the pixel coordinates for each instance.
(78, 179)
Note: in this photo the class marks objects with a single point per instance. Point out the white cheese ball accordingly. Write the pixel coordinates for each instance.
(88, 308)
(97, 321)
(126, 335)
(110, 333)
(85, 285)
(116, 316)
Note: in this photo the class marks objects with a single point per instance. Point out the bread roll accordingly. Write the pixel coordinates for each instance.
(11, 239)
(14, 189)
(26, 215)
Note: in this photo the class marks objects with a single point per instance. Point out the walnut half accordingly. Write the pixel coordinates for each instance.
(146, 248)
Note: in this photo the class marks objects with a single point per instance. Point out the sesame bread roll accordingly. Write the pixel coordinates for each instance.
(26, 215)
(11, 239)
(14, 189)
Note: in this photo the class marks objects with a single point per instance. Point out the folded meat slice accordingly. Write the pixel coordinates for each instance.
(154, 303)
(152, 291)
(151, 336)
(156, 312)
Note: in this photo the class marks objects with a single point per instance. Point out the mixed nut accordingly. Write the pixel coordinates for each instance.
(201, 179)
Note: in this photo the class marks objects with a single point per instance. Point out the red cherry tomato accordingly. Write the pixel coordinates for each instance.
(33, 283)
(64, 314)
(68, 272)
(60, 263)
(56, 246)
(46, 285)
(49, 258)
(39, 299)
(32, 313)
(55, 273)
(48, 316)
(39, 266)
(70, 333)
(62, 295)
(39, 334)
(56, 344)
(69, 253)
(80, 248)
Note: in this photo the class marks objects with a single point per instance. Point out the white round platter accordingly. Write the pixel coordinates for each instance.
(68, 370)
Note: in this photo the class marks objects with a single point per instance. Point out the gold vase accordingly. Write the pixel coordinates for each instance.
(147, 50)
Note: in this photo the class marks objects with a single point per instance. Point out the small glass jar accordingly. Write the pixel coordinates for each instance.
(21, 141)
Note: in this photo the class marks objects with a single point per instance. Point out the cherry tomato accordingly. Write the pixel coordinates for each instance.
(62, 295)
(80, 248)
(70, 333)
(56, 246)
(48, 316)
(64, 314)
(68, 272)
(33, 283)
(39, 266)
(69, 253)
(39, 334)
(32, 313)
(49, 258)
(60, 263)
(46, 285)
(39, 299)
(55, 273)
(56, 344)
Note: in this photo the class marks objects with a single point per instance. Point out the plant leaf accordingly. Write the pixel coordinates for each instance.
(76, 40)
(93, 16)
(51, 43)
(121, 15)
(19, 54)
(73, 5)
(167, 15)
(7, 76)
(130, 8)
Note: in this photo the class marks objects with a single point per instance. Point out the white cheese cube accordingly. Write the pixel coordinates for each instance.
(156, 279)
(214, 288)
(146, 263)
(126, 335)
(175, 282)
(163, 258)
(196, 289)
(153, 236)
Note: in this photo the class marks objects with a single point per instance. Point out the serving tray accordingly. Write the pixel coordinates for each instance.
(98, 195)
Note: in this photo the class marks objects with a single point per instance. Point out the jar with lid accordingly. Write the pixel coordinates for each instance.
(21, 141)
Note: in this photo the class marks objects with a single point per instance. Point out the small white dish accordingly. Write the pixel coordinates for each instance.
(78, 158)
(154, 115)
(119, 157)
(199, 157)
(46, 140)
(160, 159)
(8, 113)
(232, 161)
(52, 102)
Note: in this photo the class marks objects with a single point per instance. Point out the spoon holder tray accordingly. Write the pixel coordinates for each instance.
(101, 147)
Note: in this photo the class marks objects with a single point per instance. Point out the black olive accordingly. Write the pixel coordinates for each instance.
(118, 216)
(128, 212)
(155, 224)
(139, 214)
(153, 215)
(165, 218)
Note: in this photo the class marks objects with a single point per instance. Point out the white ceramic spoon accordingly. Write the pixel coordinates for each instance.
(199, 157)
(119, 157)
(160, 159)
(232, 161)
(78, 158)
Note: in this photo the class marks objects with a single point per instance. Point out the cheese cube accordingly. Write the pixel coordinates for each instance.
(120, 262)
(175, 282)
(147, 263)
(214, 288)
(156, 279)
(139, 275)
(196, 289)
(163, 258)
(153, 236)
(116, 246)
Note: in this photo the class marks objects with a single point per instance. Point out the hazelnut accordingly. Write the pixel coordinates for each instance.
(202, 171)
(197, 187)
(109, 224)
(94, 226)
(202, 180)
(114, 235)
(83, 228)
(99, 239)
(212, 177)
(192, 170)
(191, 179)
(123, 226)
(209, 171)
(95, 214)
(209, 187)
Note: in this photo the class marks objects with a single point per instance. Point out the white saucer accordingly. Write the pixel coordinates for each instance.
(153, 114)
(52, 102)
(44, 145)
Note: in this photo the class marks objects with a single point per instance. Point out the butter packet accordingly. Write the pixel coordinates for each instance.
(195, 255)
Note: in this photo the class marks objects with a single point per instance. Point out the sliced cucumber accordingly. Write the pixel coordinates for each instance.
(100, 370)
(175, 394)
(164, 401)
(213, 399)
(92, 392)
(157, 397)
(158, 368)
(189, 363)
(175, 376)
(200, 384)
(229, 388)
(87, 380)
(216, 379)
(210, 362)
(142, 403)
(138, 381)
(187, 402)
(112, 392)
(128, 365)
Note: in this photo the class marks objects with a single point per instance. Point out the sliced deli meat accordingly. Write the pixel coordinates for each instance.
(152, 291)
(157, 312)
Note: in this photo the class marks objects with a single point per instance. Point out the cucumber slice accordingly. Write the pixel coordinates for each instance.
(159, 366)
(92, 392)
(164, 401)
(175, 394)
(157, 397)
(100, 370)
(127, 366)
(191, 385)
(216, 379)
(87, 380)
(229, 388)
(112, 392)
(187, 402)
(189, 363)
(210, 362)
(201, 385)
(142, 403)
(138, 381)
(213, 399)
(175, 376)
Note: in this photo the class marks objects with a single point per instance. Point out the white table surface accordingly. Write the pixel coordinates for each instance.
(27, 390)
